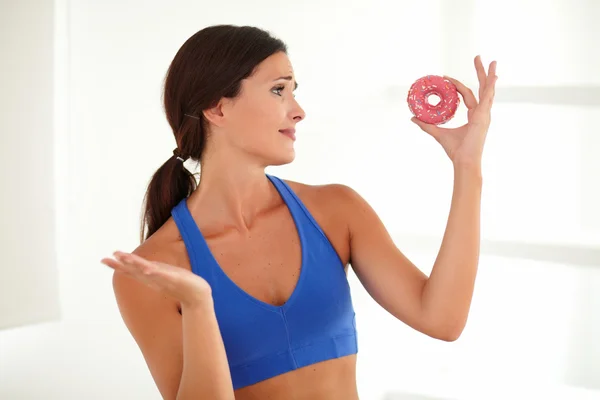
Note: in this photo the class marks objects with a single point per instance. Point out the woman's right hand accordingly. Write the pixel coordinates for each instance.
(179, 283)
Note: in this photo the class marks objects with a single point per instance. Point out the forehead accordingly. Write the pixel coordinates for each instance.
(273, 67)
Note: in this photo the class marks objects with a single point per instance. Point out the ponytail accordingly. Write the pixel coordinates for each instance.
(208, 67)
(170, 184)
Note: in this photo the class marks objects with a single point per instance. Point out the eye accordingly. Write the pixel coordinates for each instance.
(278, 89)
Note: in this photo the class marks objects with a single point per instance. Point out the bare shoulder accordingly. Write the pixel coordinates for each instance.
(165, 247)
(333, 197)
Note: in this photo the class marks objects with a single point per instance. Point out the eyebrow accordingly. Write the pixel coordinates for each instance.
(288, 78)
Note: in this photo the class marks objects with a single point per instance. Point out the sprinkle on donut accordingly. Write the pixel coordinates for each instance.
(421, 107)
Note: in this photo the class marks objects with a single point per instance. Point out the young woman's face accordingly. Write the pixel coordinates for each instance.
(261, 120)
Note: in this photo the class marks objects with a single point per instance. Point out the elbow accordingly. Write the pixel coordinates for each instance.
(449, 336)
(448, 330)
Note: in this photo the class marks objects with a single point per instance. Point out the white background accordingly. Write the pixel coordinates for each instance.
(83, 131)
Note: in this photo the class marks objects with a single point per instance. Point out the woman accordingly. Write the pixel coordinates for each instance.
(238, 289)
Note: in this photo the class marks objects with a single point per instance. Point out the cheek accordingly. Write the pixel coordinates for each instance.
(257, 124)
(266, 118)
(271, 110)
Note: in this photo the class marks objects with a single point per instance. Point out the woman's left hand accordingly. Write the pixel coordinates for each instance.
(464, 145)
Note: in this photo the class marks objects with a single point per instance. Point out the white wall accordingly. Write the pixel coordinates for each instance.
(27, 165)
(533, 326)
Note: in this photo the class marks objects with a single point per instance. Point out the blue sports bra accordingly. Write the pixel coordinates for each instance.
(317, 323)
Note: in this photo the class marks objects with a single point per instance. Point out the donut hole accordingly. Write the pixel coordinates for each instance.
(433, 99)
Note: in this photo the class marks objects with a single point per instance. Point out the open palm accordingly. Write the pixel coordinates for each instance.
(174, 281)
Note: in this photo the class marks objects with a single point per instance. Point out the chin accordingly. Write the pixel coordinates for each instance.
(273, 155)
(283, 159)
(279, 156)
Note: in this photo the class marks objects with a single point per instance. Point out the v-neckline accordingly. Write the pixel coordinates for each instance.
(295, 217)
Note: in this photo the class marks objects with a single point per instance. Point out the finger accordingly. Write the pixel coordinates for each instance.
(490, 89)
(119, 265)
(156, 275)
(481, 75)
(492, 69)
(490, 92)
(122, 268)
(465, 92)
(431, 129)
(126, 264)
(137, 262)
(114, 264)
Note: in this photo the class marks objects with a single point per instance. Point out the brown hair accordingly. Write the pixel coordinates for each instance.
(210, 65)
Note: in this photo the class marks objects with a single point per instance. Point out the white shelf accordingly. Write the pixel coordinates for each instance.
(572, 251)
(582, 96)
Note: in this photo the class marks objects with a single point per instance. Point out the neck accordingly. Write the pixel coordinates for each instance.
(231, 193)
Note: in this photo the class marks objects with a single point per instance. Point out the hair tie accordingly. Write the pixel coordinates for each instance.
(179, 155)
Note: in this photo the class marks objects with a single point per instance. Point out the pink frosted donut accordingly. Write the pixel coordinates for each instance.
(422, 109)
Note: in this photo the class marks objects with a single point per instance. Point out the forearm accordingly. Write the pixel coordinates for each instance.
(205, 372)
(448, 292)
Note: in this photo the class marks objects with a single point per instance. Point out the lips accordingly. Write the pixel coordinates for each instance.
(291, 133)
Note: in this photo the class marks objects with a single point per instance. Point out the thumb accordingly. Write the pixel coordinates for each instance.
(431, 129)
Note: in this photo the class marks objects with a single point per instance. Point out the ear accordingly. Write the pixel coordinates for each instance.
(215, 115)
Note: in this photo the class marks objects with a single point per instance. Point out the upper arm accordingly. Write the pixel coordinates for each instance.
(389, 277)
(154, 321)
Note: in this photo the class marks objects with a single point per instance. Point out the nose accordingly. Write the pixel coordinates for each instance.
(298, 112)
